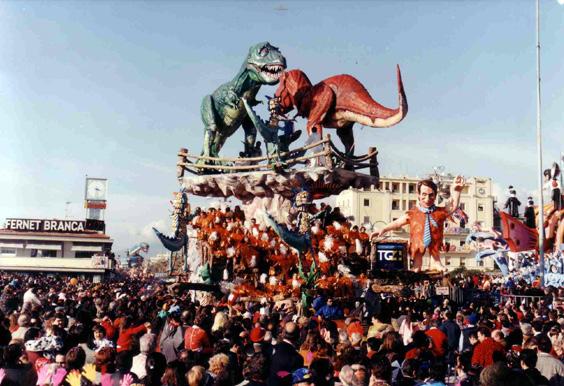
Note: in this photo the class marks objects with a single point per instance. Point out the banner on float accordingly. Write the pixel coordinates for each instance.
(390, 256)
(554, 279)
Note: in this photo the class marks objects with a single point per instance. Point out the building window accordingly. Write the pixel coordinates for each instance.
(447, 260)
(8, 251)
(480, 207)
(481, 263)
(395, 187)
(366, 202)
(43, 253)
(462, 206)
(462, 242)
(411, 188)
(366, 220)
(395, 204)
(462, 263)
(412, 204)
(84, 255)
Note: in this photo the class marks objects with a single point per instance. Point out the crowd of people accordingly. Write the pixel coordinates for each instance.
(134, 329)
(130, 330)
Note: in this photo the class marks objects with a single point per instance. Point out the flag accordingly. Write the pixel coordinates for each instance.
(519, 237)
(459, 214)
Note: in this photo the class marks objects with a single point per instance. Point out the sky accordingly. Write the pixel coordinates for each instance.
(113, 89)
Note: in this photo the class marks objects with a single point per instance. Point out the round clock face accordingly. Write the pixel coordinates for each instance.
(96, 190)
(482, 191)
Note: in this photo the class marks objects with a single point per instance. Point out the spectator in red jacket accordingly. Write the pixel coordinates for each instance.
(484, 351)
(196, 338)
(438, 339)
(126, 334)
(108, 325)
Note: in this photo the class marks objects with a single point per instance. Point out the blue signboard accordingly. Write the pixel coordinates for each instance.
(390, 256)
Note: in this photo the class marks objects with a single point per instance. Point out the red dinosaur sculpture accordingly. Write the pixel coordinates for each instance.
(336, 102)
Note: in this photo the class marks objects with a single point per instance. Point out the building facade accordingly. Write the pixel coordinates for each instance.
(67, 246)
(378, 206)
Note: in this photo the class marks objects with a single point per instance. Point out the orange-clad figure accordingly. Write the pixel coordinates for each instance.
(426, 222)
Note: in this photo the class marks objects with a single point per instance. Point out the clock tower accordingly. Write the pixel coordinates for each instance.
(95, 195)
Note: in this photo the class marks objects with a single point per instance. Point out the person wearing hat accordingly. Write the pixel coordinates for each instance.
(257, 334)
(302, 377)
(512, 204)
(257, 337)
(285, 357)
(530, 217)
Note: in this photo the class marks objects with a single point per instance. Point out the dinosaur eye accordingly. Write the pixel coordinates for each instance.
(263, 51)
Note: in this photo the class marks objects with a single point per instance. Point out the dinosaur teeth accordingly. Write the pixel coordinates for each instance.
(273, 68)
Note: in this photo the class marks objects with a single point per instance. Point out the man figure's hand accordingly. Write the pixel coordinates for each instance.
(377, 233)
(458, 183)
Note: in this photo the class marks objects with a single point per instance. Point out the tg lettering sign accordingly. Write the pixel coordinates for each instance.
(390, 256)
(394, 255)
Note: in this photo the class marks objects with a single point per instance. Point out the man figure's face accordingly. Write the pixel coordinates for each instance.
(426, 197)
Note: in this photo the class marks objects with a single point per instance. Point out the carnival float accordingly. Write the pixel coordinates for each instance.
(278, 243)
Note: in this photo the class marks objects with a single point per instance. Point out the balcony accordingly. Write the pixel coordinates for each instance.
(96, 264)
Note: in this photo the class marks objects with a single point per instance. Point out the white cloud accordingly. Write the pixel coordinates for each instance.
(130, 218)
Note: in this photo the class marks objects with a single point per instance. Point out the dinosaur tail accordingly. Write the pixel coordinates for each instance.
(173, 244)
(378, 115)
(389, 117)
(294, 239)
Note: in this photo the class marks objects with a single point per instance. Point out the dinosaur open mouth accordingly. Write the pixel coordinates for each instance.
(272, 71)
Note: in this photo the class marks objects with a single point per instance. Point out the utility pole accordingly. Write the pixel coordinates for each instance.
(539, 151)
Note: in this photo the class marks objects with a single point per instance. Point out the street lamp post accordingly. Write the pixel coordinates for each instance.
(539, 151)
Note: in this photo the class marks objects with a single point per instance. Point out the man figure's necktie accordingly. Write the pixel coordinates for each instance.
(428, 221)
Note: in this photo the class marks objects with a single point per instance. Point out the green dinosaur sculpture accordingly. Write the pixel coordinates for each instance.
(223, 111)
